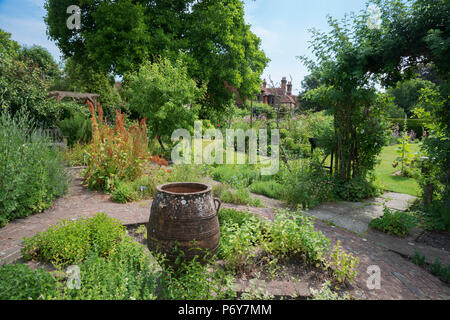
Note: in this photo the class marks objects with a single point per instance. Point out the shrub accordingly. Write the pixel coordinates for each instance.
(116, 154)
(396, 223)
(419, 259)
(77, 129)
(442, 272)
(271, 189)
(194, 281)
(160, 92)
(417, 125)
(236, 176)
(241, 233)
(356, 189)
(262, 109)
(308, 184)
(24, 86)
(295, 235)
(143, 187)
(343, 264)
(126, 274)
(19, 282)
(76, 155)
(32, 173)
(70, 242)
(123, 192)
(240, 196)
(184, 172)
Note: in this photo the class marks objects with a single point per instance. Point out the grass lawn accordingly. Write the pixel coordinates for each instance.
(384, 172)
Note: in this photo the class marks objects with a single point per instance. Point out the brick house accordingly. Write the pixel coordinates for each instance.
(268, 95)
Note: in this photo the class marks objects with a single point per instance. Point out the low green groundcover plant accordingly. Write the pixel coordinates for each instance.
(271, 189)
(246, 239)
(112, 266)
(443, 272)
(70, 242)
(237, 196)
(396, 223)
(20, 282)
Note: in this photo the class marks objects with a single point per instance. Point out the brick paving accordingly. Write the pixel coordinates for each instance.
(400, 278)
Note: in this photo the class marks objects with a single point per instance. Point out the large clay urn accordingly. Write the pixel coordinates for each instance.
(184, 215)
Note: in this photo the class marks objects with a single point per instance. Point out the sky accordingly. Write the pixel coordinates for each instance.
(282, 26)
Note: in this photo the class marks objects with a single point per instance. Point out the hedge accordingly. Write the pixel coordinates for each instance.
(417, 125)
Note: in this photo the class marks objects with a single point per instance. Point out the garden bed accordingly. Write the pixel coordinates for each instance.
(269, 278)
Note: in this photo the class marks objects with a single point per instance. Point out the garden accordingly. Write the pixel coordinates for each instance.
(345, 142)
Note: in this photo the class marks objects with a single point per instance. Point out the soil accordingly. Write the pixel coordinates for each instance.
(436, 239)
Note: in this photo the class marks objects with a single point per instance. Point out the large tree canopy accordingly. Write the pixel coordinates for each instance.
(117, 36)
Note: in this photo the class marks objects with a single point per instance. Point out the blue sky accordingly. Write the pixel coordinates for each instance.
(281, 24)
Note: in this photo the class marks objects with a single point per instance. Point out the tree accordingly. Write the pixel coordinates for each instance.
(117, 36)
(349, 93)
(406, 93)
(44, 60)
(310, 82)
(23, 85)
(163, 93)
(410, 34)
(81, 78)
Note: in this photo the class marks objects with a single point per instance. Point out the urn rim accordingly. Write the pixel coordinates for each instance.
(197, 188)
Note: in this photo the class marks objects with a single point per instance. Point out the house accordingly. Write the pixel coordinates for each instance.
(269, 95)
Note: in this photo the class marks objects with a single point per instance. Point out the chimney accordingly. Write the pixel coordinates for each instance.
(264, 84)
(283, 85)
(289, 88)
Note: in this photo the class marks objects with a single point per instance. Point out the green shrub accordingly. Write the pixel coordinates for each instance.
(441, 271)
(416, 125)
(241, 233)
(19, 282)
(123, 192)
(143, 187)
(271, 189)
(419, 259)
(240, 196)
(32, 173)
(237, 176)
(70, 242)
(76, 155)
(183, 172)
(343, 264)
(396, 223)
(308, 184)
(262, 109)
(295, 235)
(194, 281)
(77, 129)
(356, 189)
(126, 274)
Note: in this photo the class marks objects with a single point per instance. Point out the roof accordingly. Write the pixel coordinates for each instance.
(284, 97)
(59, 95)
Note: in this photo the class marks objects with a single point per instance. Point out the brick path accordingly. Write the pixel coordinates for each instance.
(400, 278)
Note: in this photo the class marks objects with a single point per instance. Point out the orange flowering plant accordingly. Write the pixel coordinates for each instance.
(116, 153)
